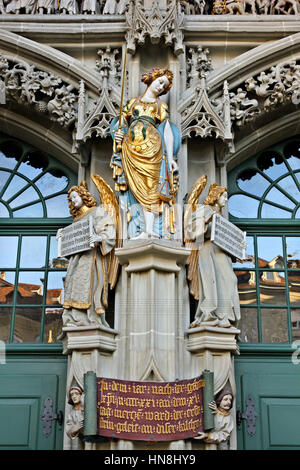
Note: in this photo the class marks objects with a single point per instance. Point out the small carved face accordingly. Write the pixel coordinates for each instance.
(222, 201)
(75, 396)
(159, 85)
(226, 402)
(76, 200)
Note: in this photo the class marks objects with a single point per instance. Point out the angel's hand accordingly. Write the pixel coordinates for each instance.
(94, 239)
(119, 136)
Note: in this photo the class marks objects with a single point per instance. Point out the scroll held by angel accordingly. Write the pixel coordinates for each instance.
(214, 242)
(93, 267)
(144, 160)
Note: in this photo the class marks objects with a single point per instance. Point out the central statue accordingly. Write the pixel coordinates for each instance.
(144, 160)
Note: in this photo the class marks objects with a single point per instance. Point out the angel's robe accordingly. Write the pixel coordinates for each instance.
(86, 284)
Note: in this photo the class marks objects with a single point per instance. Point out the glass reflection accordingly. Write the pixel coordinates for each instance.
(27, 325)
(33, 252)
(289, 185)
(294, 163)
(295, 318)
(294, 287)
(5, 319)
(243, 206)
(7, 162)
(8, 250)
(35, 210)
(272, 287)
(30, 288)
(3, 178)
(7, 287)
(271, 212)
(246, 287)
(58, 206)
(293, 252)
(3, 211)
(276, 196)
(53, 324)
(269, 252)
(252, 182)
(249, 261)
(55, 288)
(248, 326)
(272, 164)
(49, 184)
(274, 325)
(16, 184)
(54, 261)
(27, 196)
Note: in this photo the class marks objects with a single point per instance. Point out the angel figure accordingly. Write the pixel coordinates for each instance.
(144, 160)
(75, 419)
(211, 278)
(223, 421)
(91, 272)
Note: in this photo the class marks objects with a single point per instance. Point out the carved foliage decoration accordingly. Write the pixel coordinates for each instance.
(264, 92)
(26, 84)
(155, 23)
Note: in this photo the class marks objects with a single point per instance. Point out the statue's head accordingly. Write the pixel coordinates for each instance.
(75, 395)
(79, 196)
(159, 79)
(224, 399)
(216, 195)
(219, 7)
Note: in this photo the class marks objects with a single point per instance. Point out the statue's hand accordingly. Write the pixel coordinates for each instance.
(174, 166)
(213, 406)
(201, 436)
(94, 238)
(119, 136)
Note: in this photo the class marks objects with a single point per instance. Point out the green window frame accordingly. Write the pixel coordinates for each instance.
(28, 242)
(265, 185)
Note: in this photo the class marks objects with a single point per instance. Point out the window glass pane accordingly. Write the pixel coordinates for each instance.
(274, 325)
(53, 324)
(5, 319)
(248, 326)
(55, 288)
(276, 196)
(294, 287)
(36, 210)
(6, 162)
(272, 164)
(243, 206)
(30, 288)
(54, 261)
(16, 184)
(34, 164)
(272, 288)
(269, 251)
(3, 178)
(289, 185)
(8, 250)
(271, 212)
(33, 252)
(27, 325)
(295, 318)
(49, 184)
(249, 261)
(7, 286)
(253, 183)
(246, 287)
(293, 252)
(3, 211)
(27, 196)
(58, 206)
(294, 163)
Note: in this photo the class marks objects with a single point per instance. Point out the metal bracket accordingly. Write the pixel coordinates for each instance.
(48, 416)
(250, 416)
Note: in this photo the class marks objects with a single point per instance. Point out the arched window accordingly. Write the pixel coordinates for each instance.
(33, 205)
(265, 202)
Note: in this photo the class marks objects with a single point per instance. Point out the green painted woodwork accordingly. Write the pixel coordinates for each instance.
(27, 378)
(273, 382)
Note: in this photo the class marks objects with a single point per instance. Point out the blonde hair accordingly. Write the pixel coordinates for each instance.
(155, 73)
(215, 191)
(87, 198)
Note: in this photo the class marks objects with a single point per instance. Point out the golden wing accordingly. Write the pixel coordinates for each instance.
(109, 200)
(191, 206)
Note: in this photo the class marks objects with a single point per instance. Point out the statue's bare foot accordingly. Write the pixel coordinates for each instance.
(224, 324)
